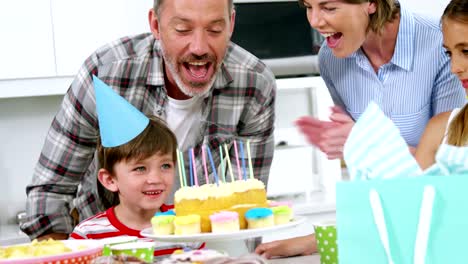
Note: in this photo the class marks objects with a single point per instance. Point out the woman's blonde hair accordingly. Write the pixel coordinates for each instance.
(457, 134)
(387, 11)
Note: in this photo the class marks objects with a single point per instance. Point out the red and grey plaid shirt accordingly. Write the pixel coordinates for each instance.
(240, 106)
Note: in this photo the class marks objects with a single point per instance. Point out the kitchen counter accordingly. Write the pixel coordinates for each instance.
(314, 206)
(11, 234)
(312, 259)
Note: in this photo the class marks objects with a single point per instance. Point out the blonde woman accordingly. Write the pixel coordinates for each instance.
(376, 50)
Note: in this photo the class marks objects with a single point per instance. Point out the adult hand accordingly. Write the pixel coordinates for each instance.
(55, 236)
(328, 136)
(305, 245)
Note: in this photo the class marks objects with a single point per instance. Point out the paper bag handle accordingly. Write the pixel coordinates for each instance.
(424, 224)
(379, 220)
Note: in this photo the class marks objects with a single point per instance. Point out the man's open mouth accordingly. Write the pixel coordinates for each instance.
(198, 71)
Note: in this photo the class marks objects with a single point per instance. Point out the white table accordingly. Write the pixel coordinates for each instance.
(312, 259)
(11, 234)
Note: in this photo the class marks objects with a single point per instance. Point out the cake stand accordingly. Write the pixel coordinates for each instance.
(251, 237)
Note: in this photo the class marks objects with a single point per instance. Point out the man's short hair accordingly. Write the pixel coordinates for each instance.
(158, 3)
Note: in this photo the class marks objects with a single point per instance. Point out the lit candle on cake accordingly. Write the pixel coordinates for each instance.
(180, 169)
(195, 178)
(249, 159)
(190, 166)
(244, 171)
(237, 160)
(204, 164)
(182, 165)
(223, 172)
(229, 162)
(213, 167)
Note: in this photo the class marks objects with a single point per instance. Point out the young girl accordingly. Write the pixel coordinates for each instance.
(449, 127)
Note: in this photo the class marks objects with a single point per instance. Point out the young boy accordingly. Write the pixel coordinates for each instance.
(136, 157)
(142, 173)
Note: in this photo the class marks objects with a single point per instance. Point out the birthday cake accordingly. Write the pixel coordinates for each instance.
(208, 256)
(205, 200)
(193, 256)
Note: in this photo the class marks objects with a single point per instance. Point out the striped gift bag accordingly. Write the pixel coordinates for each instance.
(385, 214)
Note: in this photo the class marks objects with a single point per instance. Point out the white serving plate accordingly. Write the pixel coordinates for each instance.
(238, 235)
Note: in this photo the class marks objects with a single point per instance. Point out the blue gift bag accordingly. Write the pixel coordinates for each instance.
(403, 220)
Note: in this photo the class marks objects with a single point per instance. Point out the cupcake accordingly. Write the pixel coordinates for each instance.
(224, 222)
(279, 203)
(168, 212)
(163, 223)
(187, 225)
(282, 214)
(259, 218)
(195, 256)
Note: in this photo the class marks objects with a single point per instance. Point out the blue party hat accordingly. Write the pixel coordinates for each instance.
(119, 121)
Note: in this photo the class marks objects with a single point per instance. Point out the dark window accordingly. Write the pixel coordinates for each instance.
(275, 30)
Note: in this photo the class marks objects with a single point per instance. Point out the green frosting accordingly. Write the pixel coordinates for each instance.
(282, 209)
(162, 219)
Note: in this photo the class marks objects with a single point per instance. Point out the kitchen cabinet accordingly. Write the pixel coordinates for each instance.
(81, 26)
(27, 39)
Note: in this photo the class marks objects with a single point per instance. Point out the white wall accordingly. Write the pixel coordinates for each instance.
(432, 8)
(23, 125)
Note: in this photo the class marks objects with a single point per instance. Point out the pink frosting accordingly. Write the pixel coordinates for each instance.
(224, 216)
(279, 203)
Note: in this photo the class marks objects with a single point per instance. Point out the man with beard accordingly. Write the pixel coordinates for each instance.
(209, 90)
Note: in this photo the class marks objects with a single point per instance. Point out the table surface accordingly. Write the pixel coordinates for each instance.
(312, 259)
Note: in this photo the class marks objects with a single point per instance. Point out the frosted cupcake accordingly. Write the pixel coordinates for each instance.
(195, 256)
(162, 223)
(259, 218)
(282, 214)
(224, 222)
(187, 225)
(279, 203)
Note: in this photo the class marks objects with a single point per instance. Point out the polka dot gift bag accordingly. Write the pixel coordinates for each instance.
(141, 250)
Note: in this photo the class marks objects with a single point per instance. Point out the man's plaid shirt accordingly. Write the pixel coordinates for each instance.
(240, 106)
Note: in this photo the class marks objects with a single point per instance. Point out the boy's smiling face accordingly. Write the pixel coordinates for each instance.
(142, 185)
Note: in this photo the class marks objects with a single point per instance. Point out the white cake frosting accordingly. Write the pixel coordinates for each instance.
(205, 191)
